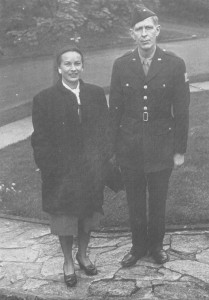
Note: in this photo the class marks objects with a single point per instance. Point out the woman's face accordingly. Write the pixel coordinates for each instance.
(71, 67)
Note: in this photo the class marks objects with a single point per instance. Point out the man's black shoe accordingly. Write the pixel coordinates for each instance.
(160, 256)
(131, 258)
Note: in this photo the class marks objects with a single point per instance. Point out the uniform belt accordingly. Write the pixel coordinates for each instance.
(149, 116)
(145, 116)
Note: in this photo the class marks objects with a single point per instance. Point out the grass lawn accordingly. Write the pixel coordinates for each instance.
(188, 201)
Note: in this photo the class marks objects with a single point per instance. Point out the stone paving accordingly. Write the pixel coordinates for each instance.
(31, 267)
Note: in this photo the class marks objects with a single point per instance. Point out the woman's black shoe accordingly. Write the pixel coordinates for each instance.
(90, 270)
(70, 280)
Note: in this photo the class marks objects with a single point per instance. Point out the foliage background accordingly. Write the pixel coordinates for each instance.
(41, 23)
(38, 26)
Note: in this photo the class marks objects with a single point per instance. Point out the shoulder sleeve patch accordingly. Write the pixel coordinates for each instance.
(186, 77)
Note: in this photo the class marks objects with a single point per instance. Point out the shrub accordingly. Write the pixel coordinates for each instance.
(32, 22)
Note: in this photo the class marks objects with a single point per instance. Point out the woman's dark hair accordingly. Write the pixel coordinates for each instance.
(68, 48)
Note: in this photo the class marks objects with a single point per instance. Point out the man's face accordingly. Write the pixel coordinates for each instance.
(70, 67)
(145, 34)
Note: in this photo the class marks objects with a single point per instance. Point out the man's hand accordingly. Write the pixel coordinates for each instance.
(178, 160)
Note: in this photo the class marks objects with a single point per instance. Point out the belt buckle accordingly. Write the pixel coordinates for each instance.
(145, 116)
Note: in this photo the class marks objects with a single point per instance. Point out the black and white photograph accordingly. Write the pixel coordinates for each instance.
(104, 149)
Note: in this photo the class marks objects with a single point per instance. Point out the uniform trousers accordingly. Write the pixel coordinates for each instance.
(146, 196)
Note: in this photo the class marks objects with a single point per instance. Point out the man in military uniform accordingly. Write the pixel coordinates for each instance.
(149, 112)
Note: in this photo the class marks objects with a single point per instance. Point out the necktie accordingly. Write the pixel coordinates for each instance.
(145, 66)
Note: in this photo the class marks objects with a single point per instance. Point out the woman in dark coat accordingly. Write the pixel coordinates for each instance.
(69, 144)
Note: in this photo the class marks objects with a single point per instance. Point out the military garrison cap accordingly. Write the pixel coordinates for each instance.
(141, 13)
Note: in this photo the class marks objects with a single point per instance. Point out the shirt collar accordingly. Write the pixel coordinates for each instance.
(147, 59)
(76, 90)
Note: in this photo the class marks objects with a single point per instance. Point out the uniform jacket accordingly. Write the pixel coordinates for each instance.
(70, 153)
(149, 114)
